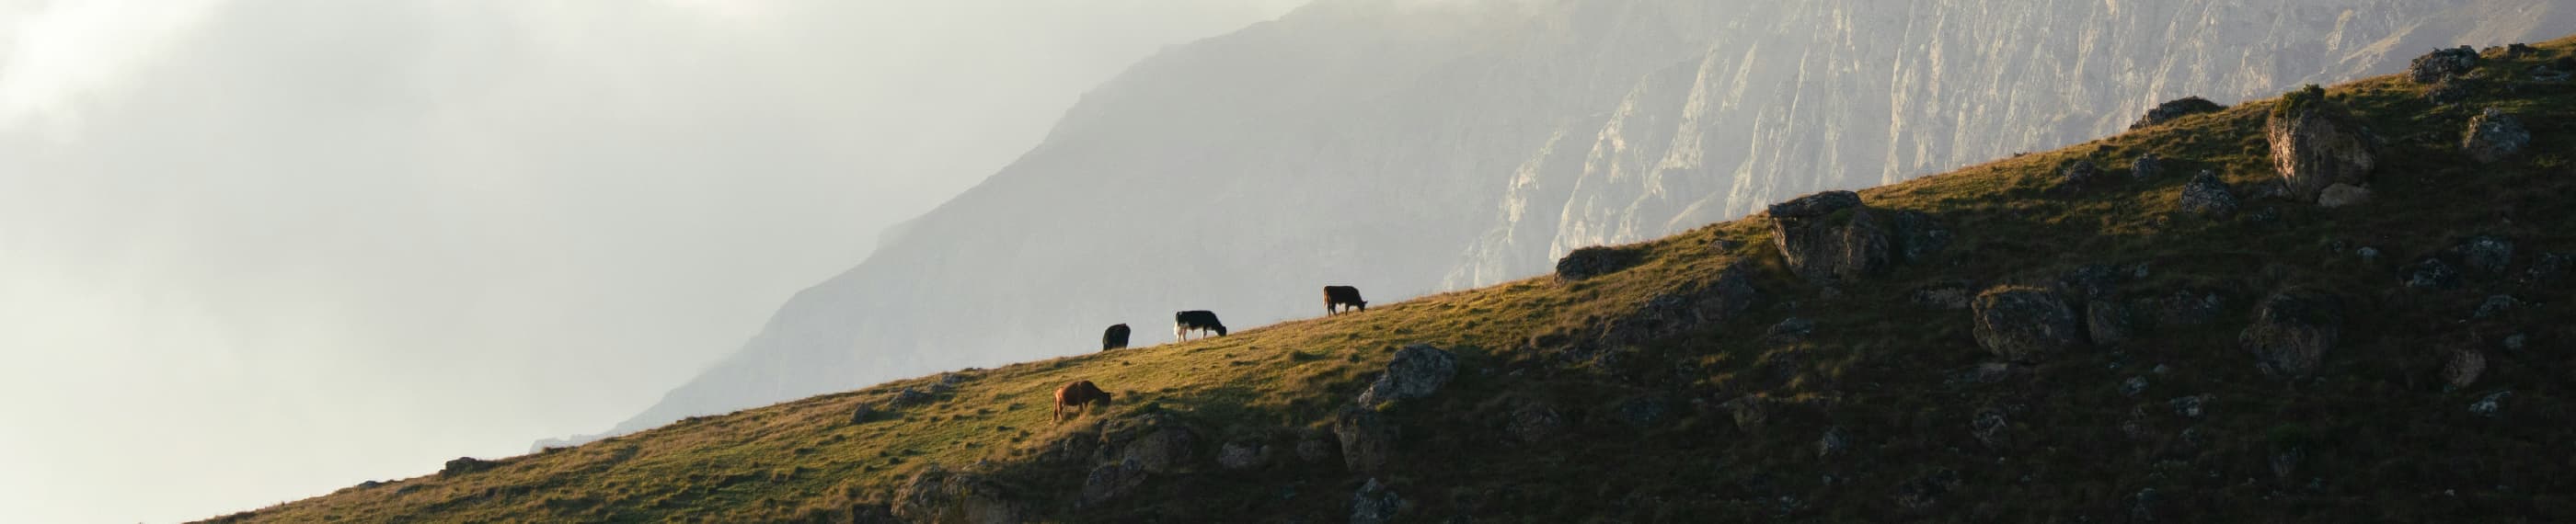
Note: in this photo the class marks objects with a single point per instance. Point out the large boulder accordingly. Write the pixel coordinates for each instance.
(2494, 136)
(1158, 443)
(1367, 438)
(2207, 196)
(1535, 423)
(2441, 64)
(1112, 481)
(1375, 504)
(2292, 332)
(2025, 324)
(2147, 166)
(1831, 236)
(1593, 261)
(938, 495)
(464, 465)
(2316, 144)
(2178, 108)
(1417, 371)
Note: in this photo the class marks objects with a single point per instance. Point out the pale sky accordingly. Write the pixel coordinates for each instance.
(252, 251)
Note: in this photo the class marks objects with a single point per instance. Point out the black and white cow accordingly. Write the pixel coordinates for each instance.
(1336, 298)
(1114, 338)
(1201, 320)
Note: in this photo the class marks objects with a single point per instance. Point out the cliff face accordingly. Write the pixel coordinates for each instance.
(1411, 147)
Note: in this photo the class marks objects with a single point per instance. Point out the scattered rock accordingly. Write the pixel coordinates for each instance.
(1595, 261)
(464, 465)
(2133, 387)
(1990, 427)
(2106, 322)
(2515, 342)
(1643, 411)
(2367, 253)
(2207, 196)
(2340, 195)
(2491, 405)
(1987, 373)
(2440, 64)
(2287, 461)
(1830, 236)
(2178, 108)
(2555, 71)
(2147, 166)
(1792, 329)
(1536, 423)
(2292, 332)
(2316, 144)
(1922, 493)
(2187, 308)
(2494, 136)
(1157, 442)
(1367, 438)
(1919, 237)
(2431, 273)
(2486, 255)
(2144, 506)
(1112, 481)
(1375, 504)
(1833, 443)
(1943, 295)
(2518, 50)
(910, 397)
(862, 412)
(2463, 368)
(1317, 446)
(2024, 324)
(1749, 412)
(2495, 306)
(2188, 407)
(2550, 268)
(937, 495)
(1241, 455)
(1417, 371)
(2078, 174)
(2450, 91)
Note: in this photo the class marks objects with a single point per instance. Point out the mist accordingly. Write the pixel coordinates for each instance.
(253, 251)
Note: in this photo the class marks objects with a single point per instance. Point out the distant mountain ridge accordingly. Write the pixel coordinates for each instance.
(1410, 147)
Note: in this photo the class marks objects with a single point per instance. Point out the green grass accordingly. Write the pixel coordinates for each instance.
(2381, 438)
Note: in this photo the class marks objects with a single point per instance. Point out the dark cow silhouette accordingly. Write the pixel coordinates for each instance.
(1114, 338)
(1336, 298)
(1202, 320)
(1078, 395)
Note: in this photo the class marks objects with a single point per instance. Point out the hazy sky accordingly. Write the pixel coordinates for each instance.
(253, 251)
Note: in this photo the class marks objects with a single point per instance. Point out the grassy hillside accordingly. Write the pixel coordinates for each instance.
(1726, 421)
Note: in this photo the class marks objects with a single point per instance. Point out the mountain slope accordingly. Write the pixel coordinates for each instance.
(1683, 387)
(1409, 147)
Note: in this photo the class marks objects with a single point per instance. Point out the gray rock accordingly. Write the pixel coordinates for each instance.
(2207, 196)
(2024, 324)
(2188, 407)
(2341, 195)
(1241, 455)
(1919, 236)
(1112, 481)
(2170, 110)
(1830, 236)
(2463, 368)
(1367, 438)
(2367, 253)
(1834, 442)
(2106, 322)
(1986, 373)
(2495, 306)
(2078, 174)
(910, 397)
(2450, 91)
(862, 412)
(1992, 429)
(1944, 295)
(1750, 413)
(2315, 144)
(2144, 506)
(2147, 166)
(2292, 332)
(937, 495)
(2188, 308)
(2491, 405)
(1318, 446)
(1375, 504)
(2133, 386)
(1686, 306)
(2486, 255)
(2286, 462)
(2494, 136)
(1643, 411)
(1417, 371)
(2550, 268)
(1535, 423)
(2431, 273)
(1167, 449)
(2515, 342)
(1792, 329)
(1595, 261)
(2441, 64)
(464, 465)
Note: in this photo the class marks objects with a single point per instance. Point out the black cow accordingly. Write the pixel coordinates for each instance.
(1335, 297)
(1202, 320)
(1114, 338)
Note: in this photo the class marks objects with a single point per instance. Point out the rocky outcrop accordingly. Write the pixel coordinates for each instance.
(938, 495)
(2147, 166)
(2177, 108)
(1318, 446)
(2292, 332)
(1702, 301)
(2316, 144)
(1367, 438)
(1110, 482)
(1597, 260)
(862, 412)
(2025, 324)
(1243, 455)
(1375, 504)
(464, 465)
(2494, 136)
(2074, 176)
(1832, 236)
(2206, 196)
(2441, 64)
(1157, 442)
(1417, 371)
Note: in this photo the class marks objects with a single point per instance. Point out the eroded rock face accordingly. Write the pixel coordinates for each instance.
(2494, 136)
(1367, 438)
(2441, 64)
(2025, 324)
(2292, 332)
(938, 495)
(2207, 196)
(1416, 371)
(2178, 108)
(2315, 144)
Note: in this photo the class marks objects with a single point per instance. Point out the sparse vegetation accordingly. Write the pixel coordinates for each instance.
(1722, 423)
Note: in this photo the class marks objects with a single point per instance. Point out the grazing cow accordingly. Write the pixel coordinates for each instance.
(1114, 338)
(1078, 395)
(1337, 297)
(1203, 321)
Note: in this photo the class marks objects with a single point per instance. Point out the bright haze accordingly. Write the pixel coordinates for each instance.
(253, 251)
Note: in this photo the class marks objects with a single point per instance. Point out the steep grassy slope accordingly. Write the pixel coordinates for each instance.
(1723, 422)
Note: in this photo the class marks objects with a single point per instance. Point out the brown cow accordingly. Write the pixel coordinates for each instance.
(1077, 395)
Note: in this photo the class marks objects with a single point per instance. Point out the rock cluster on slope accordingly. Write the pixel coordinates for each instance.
(2494, 136)
(1833, 236)
(2316, 144)
(2177, 108)
(2441, 64)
